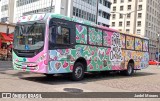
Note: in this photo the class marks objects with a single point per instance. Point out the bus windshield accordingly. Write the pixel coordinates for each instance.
(29, 36)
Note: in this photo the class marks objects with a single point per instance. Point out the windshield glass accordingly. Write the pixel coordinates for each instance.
(29, 36)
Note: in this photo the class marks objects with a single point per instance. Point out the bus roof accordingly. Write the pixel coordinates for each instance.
(44, 16)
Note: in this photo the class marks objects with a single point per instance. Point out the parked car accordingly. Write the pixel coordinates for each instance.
(153, 62)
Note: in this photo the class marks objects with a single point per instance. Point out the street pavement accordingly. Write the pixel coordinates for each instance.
(146, 80)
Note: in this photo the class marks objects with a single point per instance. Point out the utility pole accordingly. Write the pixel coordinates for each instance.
(51, 6)
(135, 17)
(97, 11)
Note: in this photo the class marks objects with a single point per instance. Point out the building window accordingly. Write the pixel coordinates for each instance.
(4, 8)
(113, 24)
(115, 1)
(114, 8)
(24, 2)
(139, 23)
(120, 16)
(100, 13)
(121, 8)
(100, 1)
(129, 7)
(128, 23)
(139, 15)
(129, 0)
(113, 16)
(120, 24)
(140, 7)
(127, 30)
(128, 15)
(140, 0)
(122, 1)
(120, 29)
(138, 31)
(86, 15)
(99, 23)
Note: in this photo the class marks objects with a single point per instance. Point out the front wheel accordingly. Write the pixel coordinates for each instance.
(78, 72)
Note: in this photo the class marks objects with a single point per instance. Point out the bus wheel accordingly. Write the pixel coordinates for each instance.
(129, 70)
(78, 72)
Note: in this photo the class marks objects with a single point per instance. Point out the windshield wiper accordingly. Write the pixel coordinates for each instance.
(31, 28)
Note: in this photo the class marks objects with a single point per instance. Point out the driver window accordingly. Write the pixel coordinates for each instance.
(52, 32)
(62, 35)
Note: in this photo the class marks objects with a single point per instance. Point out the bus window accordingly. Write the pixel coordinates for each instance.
(62, 36)
(145, 45)
(138, 44)
(123, 42)
(130, 42)
(52, 34)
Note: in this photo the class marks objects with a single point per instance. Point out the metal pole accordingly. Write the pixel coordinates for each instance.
(158, 49)
(51, 5)
(97, 12)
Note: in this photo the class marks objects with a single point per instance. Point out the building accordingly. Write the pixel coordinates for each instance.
(7, 11)
(4, 10)
(97, 11)
(138, 17)
(104, 12)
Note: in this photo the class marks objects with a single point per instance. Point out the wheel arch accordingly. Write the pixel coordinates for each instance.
(131, 61)
(83, 61)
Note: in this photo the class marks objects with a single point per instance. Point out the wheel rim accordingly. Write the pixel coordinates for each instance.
(78, 72)
(129, 69)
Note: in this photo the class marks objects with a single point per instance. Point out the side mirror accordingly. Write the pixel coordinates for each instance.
(59, 30)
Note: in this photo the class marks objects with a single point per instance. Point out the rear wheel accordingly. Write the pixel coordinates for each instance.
(129, 71)
(78, 72)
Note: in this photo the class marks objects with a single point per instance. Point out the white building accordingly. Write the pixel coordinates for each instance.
(104, 12)
(97, 11)
(7, 11)
(4, 10)
(145, 22)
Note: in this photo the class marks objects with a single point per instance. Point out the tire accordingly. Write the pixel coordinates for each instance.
(129, 71)
(78, 72)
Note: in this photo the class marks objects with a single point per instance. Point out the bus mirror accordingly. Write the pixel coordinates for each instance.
(59, 30)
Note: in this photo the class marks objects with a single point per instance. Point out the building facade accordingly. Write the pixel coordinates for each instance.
(97, 11)
(4, 10)
(104, 7)
(137, 17)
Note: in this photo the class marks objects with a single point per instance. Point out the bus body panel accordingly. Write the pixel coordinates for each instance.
(37, 63)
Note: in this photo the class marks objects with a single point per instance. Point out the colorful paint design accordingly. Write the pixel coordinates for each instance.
(97, 58)
(145, 45)
(34, 17)
(129, 42)
(95, 36)
(138, 44)
(81, 34)
(107, 38)
(123, 43)
(116, 52)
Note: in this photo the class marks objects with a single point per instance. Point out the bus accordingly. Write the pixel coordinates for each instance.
(50, 44)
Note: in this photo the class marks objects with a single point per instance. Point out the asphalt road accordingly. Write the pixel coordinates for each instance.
(146, 80)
